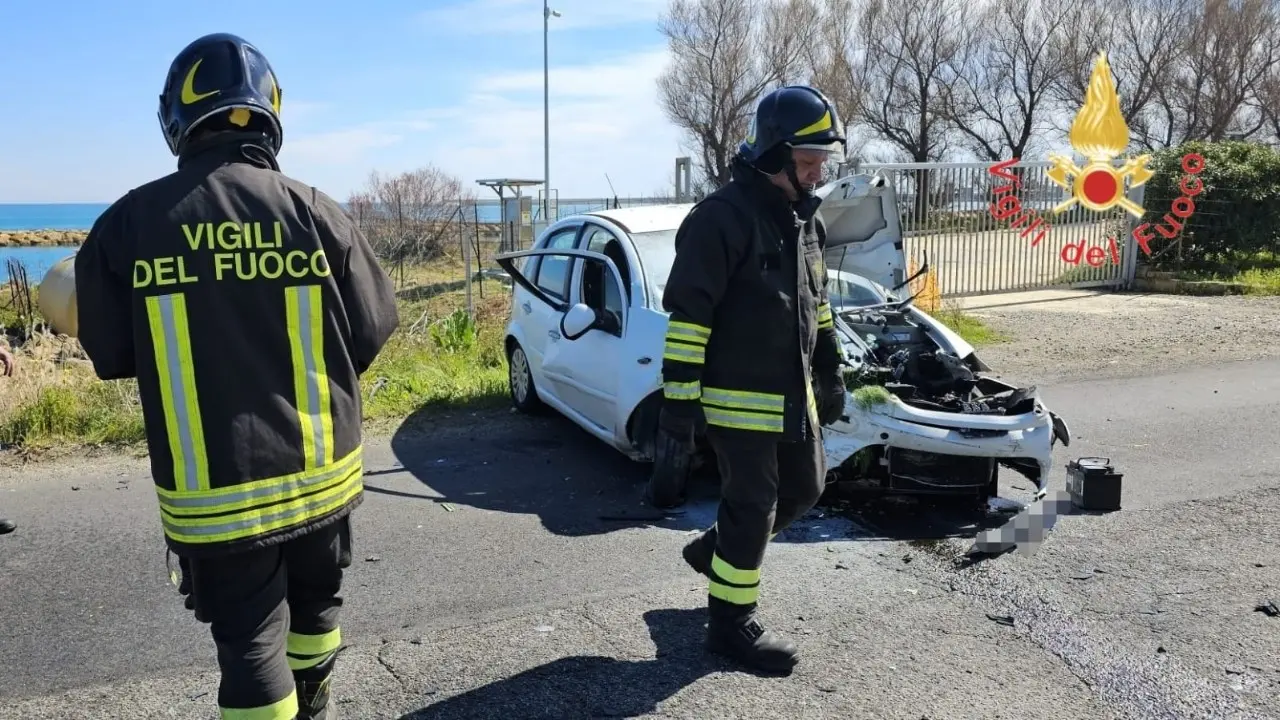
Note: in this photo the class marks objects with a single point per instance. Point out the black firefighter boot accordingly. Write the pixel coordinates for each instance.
(733, 631)
(314, 700)
(698, 551)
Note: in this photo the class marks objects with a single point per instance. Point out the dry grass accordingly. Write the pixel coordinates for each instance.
(436, 359)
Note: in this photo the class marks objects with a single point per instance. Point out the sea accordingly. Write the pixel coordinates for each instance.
(81, 216)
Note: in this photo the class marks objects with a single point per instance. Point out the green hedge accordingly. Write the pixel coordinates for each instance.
(1237, 215)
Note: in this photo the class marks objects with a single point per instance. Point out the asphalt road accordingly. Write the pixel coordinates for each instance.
(507, 568)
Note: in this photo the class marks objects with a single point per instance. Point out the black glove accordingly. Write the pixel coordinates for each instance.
(182, 578)
(831, 397)
(681, 420)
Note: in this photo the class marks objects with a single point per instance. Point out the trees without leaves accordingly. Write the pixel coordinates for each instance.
(942, 79)
(725, 54)
(411, 216)
(1001, 101)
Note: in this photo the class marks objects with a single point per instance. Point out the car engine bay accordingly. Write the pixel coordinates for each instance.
(897, 353)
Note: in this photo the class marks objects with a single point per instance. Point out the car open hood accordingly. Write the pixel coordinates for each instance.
(864, 233)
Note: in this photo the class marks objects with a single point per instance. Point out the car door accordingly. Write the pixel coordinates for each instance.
(539, 312)
(582, 367)
(589, 366)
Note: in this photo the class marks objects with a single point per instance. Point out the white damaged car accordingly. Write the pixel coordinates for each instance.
(587, 328)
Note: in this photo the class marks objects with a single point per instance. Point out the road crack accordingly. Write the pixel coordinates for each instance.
(387, 665)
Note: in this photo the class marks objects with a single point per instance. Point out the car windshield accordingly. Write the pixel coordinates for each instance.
(847, 293)
(658, 252)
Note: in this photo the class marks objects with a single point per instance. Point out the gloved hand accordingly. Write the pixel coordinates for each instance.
(831, 397)
(681, 420)
(182, 578)
(184, 586)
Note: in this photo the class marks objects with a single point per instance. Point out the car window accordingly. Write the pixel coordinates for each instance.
(553, 270)
(600, 289)
(657, 251)
(846, 293)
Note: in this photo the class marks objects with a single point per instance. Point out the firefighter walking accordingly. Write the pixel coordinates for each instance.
(247, 305)
(750, 334)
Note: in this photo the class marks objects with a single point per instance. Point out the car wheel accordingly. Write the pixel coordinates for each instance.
(520, 381)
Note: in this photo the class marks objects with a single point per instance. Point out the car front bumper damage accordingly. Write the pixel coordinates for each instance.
(1023, 442)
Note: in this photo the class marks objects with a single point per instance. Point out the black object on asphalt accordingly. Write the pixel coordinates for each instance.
(1094, 484)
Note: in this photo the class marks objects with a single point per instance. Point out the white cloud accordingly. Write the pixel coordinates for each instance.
(605, 119)
(488, 17)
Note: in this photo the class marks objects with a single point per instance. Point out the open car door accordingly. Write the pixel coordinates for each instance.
(864, 233)
(507, 261)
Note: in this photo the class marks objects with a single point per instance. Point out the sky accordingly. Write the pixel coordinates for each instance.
(385, 85)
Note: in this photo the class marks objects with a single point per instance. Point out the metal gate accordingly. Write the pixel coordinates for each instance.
(947, 216)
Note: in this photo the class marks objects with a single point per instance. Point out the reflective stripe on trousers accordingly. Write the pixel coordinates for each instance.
(286, 709)
(307, 651)
(740, 586)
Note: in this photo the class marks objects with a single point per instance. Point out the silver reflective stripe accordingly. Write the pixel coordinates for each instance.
(687, 353)
(295, 486)
(308, 315)
(294, 511)
(743, 400)
(183, 436)
(685, 333)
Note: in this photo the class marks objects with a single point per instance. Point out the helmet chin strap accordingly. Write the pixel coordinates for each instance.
(806, 203)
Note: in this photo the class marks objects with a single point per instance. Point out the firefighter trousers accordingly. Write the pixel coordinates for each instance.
(273, 613)
(765, 485)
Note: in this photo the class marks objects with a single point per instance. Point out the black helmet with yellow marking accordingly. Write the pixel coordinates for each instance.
(220, 82)
(795, 116)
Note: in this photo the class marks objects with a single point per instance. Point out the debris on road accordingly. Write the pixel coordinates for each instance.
(373, 558)
(1002, 619)
(448, 507)
(1269, 608)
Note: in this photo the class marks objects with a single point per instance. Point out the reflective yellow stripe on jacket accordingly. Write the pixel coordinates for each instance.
(262, 506)
(686, 342)
(825, 320)
(167, 316)
(743, 410)
(193, 512)
(310, 382)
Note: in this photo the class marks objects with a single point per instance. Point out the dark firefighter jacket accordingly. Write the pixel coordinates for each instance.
(246, 304)
(750, 320)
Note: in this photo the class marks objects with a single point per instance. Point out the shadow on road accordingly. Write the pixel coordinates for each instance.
(579, 486)
(595, 686)
(907, 519)
(545, 466)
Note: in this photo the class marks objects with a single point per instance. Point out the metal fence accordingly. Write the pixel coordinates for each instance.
(946, 215)
(946, 211)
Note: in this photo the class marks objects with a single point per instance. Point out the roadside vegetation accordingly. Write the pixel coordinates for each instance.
(1234, 233)
(440, 358)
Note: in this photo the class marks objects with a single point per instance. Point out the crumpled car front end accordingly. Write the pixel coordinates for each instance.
(923, 419)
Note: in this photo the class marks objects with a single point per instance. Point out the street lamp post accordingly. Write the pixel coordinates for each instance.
(547, 12)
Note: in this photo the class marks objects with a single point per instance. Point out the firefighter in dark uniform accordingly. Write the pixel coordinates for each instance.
(750, 336)
(247, 305)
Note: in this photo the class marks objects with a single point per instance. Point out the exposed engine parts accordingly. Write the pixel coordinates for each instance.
(899, 355)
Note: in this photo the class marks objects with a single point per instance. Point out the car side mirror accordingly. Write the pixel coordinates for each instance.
(577, 321)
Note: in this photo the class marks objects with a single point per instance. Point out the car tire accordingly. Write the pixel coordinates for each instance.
(524, 395)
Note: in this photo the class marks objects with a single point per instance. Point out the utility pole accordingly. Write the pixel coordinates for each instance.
(547, 12)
